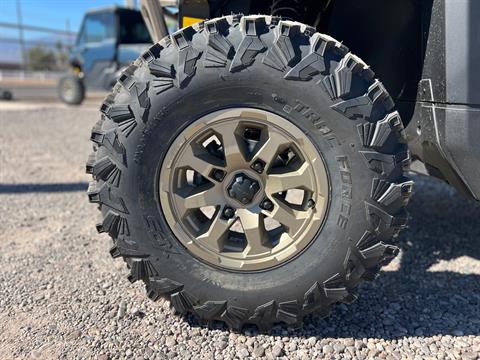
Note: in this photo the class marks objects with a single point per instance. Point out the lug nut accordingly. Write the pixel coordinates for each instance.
(266, 205)
(255, 187)
(258, 166)
(310, 203)
(228, 212)
(218, 174)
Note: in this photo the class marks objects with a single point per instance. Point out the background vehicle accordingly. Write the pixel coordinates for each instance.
(108, 41)
(206, 135)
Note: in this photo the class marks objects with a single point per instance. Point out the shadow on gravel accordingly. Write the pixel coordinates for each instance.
(42, 188)
(416, 300)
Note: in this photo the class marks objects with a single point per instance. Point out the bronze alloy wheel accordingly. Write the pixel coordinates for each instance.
(244, 189)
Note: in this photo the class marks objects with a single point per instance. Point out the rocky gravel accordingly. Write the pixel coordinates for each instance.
(62, 296)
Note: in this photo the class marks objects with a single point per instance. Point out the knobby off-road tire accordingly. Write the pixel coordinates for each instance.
(285, 68)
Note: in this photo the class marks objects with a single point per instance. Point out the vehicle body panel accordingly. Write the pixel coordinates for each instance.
(445, 123)
(462, 30)
(121, 36)
(128, 53)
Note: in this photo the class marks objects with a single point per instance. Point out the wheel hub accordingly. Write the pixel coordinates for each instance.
(243, 188)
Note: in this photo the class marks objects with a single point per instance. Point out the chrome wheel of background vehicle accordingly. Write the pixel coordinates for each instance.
(71, 89)
(243, 189)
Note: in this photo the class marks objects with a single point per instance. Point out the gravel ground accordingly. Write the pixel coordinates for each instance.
(62, 296)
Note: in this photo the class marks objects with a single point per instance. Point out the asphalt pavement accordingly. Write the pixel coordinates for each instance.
(40, 93)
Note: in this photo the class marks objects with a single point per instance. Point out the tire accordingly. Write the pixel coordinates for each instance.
(71, 90)
(7, 95)
(285, 68)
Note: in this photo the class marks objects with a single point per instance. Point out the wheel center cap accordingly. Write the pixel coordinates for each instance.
(243, 188)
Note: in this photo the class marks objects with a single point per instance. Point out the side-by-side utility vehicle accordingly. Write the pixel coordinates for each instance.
(108, 41)
(251, 168)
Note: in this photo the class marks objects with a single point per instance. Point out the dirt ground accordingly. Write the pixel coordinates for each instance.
(63, 296)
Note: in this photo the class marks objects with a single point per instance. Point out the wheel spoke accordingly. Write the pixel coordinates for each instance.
(298, 179)
(288, 217)
(198, 159)
(255, 233)
(203, 196)
(217, 233)
(270, 148)
(233, 148)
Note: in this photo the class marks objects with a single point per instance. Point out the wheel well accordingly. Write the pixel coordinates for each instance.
(390, 36)
(75, 64)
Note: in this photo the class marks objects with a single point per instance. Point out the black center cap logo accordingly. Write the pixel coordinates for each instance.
(243, 188)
